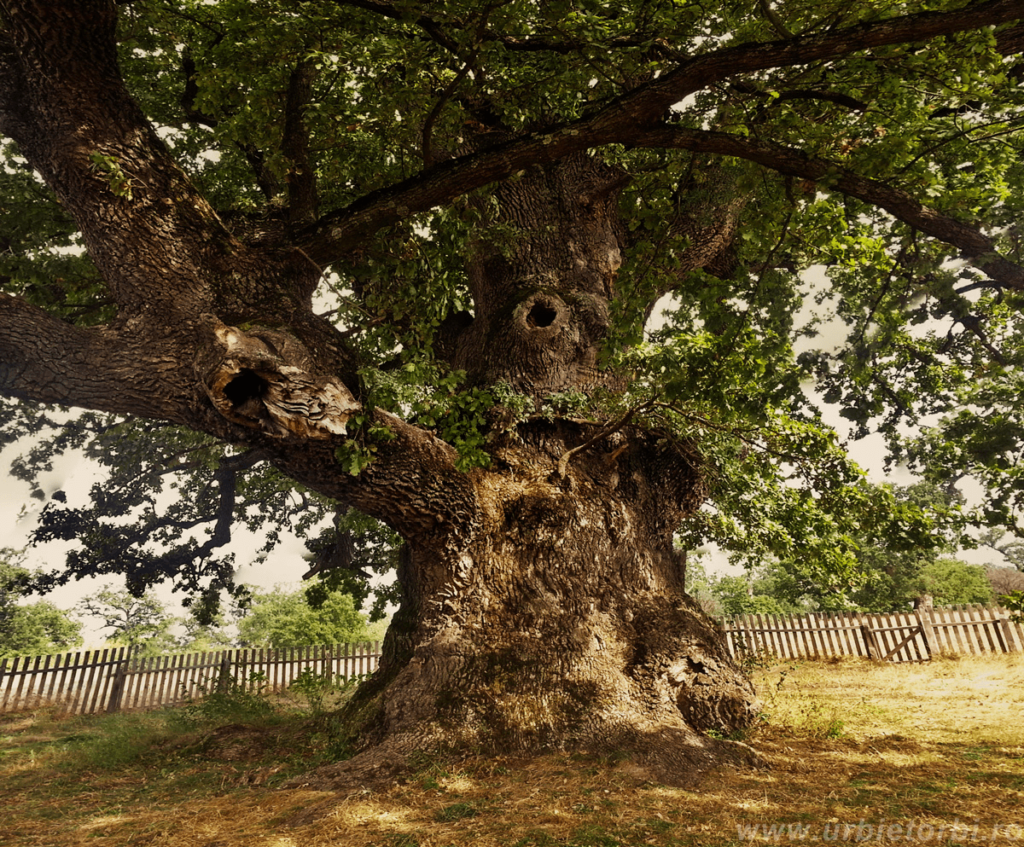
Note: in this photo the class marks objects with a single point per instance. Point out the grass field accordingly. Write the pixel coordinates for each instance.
(859, 753)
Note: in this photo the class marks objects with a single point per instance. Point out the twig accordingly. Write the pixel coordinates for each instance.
(563, 462)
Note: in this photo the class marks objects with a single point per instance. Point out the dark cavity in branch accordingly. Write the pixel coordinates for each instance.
(248, 385)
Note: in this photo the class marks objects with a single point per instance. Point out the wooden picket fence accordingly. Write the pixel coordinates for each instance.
(899, 637)
(114, 680)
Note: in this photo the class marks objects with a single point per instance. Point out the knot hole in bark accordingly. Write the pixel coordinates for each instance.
(541, 315)
(248, 385)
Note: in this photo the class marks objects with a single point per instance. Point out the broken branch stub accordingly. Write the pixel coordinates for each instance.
(261, 380)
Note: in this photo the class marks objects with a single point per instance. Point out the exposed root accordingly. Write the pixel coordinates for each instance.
(671, 756)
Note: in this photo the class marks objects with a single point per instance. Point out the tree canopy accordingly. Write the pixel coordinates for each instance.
(882, 166)
(798, 135)
(951, 582)
(339, 264)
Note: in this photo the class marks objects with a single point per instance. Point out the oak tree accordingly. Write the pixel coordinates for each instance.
(282, 618)
(398, 260)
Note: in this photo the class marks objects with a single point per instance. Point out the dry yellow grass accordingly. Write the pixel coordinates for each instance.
(856, 750)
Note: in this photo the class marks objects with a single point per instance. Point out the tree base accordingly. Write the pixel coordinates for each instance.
(663, 699)
(674, 757)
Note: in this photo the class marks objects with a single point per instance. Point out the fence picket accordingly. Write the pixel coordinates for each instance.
(1005, 634)
(848, 643)
(120, 677)
(970, 636)
(989, 637)
(829, 635)
(158, 681)
(21, 680)
(76, 682)
(1017, 630)
(59, 694)
(785, 634)
(853, 633)
(953, 643)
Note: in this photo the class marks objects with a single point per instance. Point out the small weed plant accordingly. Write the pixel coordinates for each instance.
(321, 692)
(228, 700)
(456, 812)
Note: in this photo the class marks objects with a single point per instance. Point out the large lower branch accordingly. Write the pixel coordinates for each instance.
(412, 483)
(973, 243)
(122, 371)
(264, 398)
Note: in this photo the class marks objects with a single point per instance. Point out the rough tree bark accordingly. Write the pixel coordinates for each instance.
(563, 623)
(543, 605)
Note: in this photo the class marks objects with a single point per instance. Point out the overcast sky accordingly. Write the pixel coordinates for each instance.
(75, 475)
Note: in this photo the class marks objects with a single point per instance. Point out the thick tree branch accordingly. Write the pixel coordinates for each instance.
(838, 98)
(343, 231)
(302, 190)
(157, 242)
(973, 243)
(76, 123)
(430, 26)
(1010, 41)
(47, 361)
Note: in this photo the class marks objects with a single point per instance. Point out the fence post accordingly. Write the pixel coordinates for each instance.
(869, 638)
(924, 618)
(224, 673)
(1002, 630)
(120, 678)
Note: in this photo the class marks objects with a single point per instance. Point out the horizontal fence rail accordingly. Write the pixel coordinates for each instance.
(898, 637)
(113, 679)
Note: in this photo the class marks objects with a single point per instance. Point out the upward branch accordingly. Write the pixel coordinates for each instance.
(973, 243)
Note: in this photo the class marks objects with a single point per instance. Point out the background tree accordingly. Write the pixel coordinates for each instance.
(282, 618)
(1004, 580)
(951, 582)
(141, 623)
(204, 633)
(1008, 546)
(912, 527)
(766, 591)
(30, 629)
(399, 259)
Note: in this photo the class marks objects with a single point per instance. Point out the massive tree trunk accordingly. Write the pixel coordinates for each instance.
(563, 624)
(557, 618)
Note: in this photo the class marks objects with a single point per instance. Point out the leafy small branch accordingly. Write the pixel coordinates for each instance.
(110, 167)
(563, 462)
